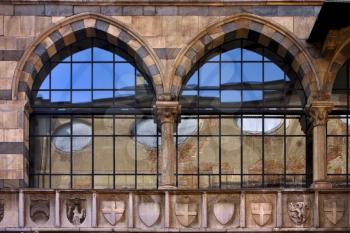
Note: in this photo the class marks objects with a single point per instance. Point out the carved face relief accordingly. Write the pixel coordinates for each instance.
(113, 211)
(261, 213)
(186, 213)
(76, 211)
(149, 213)
(223, 212)
(298, 211)
(334, 210)
(2, 209)
(39, 210)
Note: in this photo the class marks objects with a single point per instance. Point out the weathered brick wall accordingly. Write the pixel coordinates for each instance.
(167, 28)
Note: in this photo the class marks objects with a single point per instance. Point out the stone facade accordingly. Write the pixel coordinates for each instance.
(167, 40)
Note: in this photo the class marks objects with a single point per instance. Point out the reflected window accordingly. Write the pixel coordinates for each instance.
(92, 125)
(338, 136)
(251, 129)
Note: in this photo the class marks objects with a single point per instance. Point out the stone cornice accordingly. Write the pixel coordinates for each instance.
(170, 2)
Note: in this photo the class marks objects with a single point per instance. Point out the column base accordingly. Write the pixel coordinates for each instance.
(322, 185)
(167, 187)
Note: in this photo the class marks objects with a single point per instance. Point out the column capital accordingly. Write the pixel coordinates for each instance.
(166, 111)
(318, 112)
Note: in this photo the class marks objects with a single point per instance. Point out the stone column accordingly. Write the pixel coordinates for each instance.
(318, 112)
(166, 113)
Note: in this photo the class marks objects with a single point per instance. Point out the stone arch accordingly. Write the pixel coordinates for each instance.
(78, 27)
(337, 61)
(256, 29)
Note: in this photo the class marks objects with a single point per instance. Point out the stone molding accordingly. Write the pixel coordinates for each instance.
(72, 29)
(167, 111)
(318, 112)
(256, 29)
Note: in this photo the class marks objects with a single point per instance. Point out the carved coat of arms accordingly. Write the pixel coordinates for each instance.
(76, 211)
(39, 210)
(113, 211)
(334, 209)
(261, 212)
(2, 209)
(186, 213)
(149, 212)
(224, 211)
(298, 211)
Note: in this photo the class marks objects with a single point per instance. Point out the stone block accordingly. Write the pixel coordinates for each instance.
(303, 26)
(19, 26)
(30, 10)
(106, 203)
(334, 209)
(39, 209)
(223, 210)
(297, 210)
(185, 211)
(132, 10)
(5, 83)
(298, 11)
(56, 19)
(260, 210)
(149, 10)
(82, 9)
(6, 9)
(7, 69)
(1, 25)
(189, 25)
(13, 135)
(111, 10)
(58, 10)
(166, 10)
(82, 202)
(11, 166)
(167, 53)
(8, 120)
(149, 211)
(10, 210)
(287, 22)
(171, 25)
(156, 41)
(147, 25)
(7, 43)
(261, 10)
(204, 21)
(193, 11)
(11, 55)
(42, 24)
(6, 94)
(123, 19)
(23, 43)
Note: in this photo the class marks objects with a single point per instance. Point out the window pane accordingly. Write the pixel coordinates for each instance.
(272, 72)
(81, 76)
(252, 157)
(231, 155)
(84, 55)
(103, 155)
(252, 73)
(103, 76)
(124, 76)
(296, 155)
(60, 77)
(60, 97)
(231, 55)
(274, 155)
(209, 75)
(102, 55)
(230, 74)
(81, 97)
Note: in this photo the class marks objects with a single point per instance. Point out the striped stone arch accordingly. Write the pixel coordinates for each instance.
(338, 60)
(77, 28)
(255, 29)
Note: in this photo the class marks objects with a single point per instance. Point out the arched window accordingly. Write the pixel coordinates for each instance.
(91, 124)
(243, 122)
(338, 130)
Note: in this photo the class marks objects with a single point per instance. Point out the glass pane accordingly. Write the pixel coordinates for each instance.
(187, 155)
(272, 72)
(124, 126)
(187, 126)
(296, 155)
(209, 125)
(192, 82)
(81, 76)
(45, 84)
(124, 76)
(209, 97)
(209, 155)
(60, 161)
(274, 155)
(230, 96)
(209, 75)
(103, 97)
(60, 97)
(252, 73)
(81, 97)
(60, 182)
(229, 126)
(336, 155)
(102, 55)
(230, 74)
(103, 155)
(40, 154)
(103, 125)
(82, 156)
(82, 182)
(84, 55)
(249, 96)
(124, 155)
(231, 55)
(252, 156)
(40, 125)
(249, 55)
(147, 156)
(337, 126)
(60, 77)
(231, 155)
(103, 76)
(103, 182)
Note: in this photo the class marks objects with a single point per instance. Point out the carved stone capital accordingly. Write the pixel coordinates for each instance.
(166, 111)
(318, 112)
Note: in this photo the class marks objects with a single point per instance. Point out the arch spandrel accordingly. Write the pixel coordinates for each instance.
(255, 29)
(80, 27)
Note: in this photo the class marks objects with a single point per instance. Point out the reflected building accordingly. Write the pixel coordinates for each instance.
(184, 116)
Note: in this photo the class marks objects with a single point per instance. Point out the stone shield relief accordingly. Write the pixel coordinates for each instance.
(261, 213)
(299, 211)
(76, 211)
(113, 211)
(39, 210)
(2, 209)
(334, 210)
(149, 212)
(223, 212)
